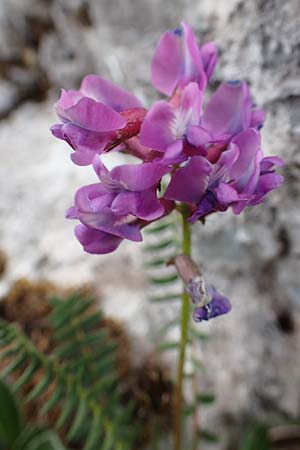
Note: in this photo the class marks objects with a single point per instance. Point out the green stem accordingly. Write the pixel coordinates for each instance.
(185, 316)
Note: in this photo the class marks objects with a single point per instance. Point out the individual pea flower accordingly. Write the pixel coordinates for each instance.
(96, 118)
(240, 177)
(209, 302)
(115, 208)
(167, 125)
(233, 172)
(229, 112)
(178, 60)
(218, 306)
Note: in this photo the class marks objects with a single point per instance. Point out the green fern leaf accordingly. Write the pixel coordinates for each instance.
(69, 406)
(26, 375)
(93, 438)
(41, 386)
(54, 399)
(8, 353)
(80, 418)
(15, 365)
(81, 367)
(11, 421)
(109, 439)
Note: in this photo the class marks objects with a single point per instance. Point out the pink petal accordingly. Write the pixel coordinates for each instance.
(228, 111)
(193, 69)
(166, 66)
(190, 182)
(191, 103)
(222, 169)
(71, 213)
(94, 116)
(109, 94)
(269, 162)
(107, 221)
(173, 154)
(209, 55)
(156, 130)
(143, 205)
(105, 176)
(139, 177)
(125, 203)
(248, 143)
(257, 118)
(178, 60)
(149, 208)
(77, 136)
(66, 100)
(226, 194)
(56, 130)
(87, 194)
(266, 183)
(83, 157)
(198, 136)
(96, 241)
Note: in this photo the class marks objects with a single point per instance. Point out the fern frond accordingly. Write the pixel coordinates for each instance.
(88, 398)
(83, 342)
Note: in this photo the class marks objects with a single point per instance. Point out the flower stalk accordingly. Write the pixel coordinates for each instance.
(185, 317)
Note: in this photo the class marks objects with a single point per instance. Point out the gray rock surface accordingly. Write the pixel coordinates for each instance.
(253, 358)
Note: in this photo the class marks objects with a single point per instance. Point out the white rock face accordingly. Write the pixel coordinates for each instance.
(253, 358)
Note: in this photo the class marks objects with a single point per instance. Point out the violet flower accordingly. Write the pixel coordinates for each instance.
(240, 177)
(97, 117)
(115, 207)
(214, 156)
(209, 302)
(178, 60)
(234, 172)
(167, 125)
(218, 306)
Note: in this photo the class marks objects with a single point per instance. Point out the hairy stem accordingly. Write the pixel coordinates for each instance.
(185, 315)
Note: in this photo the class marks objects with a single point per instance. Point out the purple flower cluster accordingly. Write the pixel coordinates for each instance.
(210, 155)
